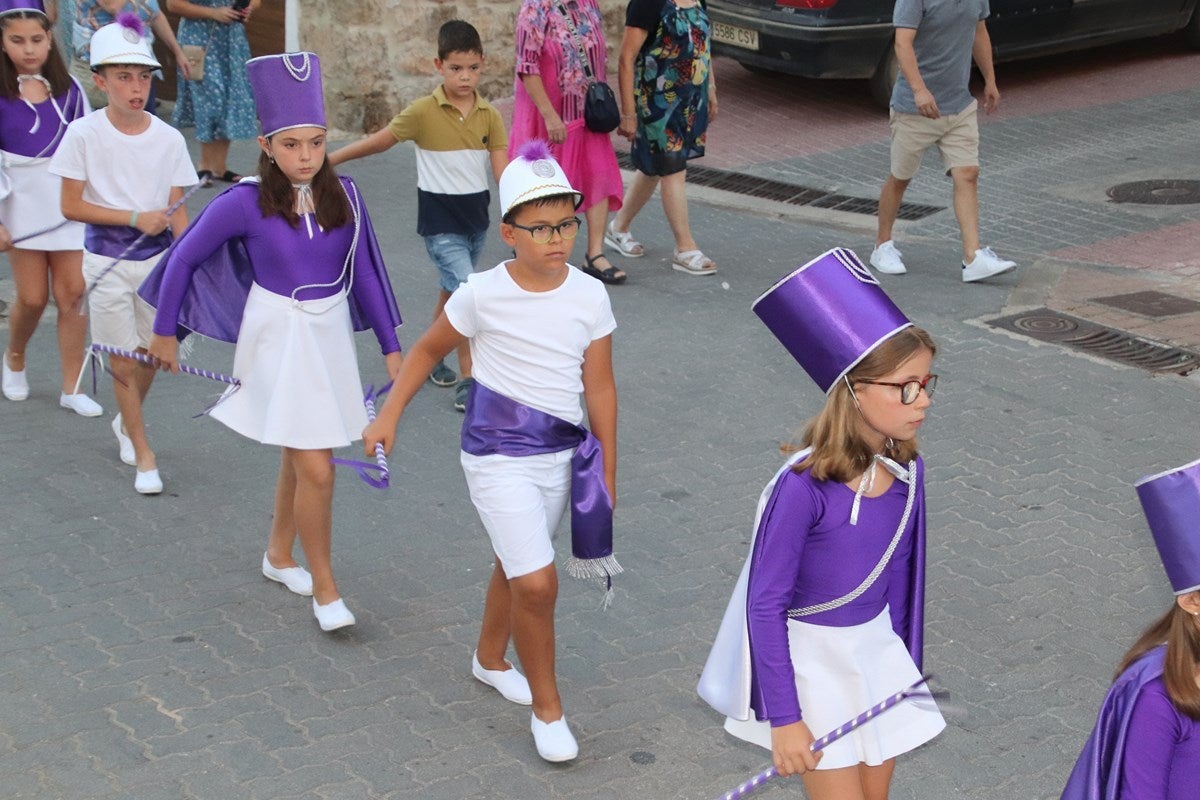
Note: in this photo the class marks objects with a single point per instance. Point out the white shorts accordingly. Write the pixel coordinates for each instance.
(520, 502)
(119, 318)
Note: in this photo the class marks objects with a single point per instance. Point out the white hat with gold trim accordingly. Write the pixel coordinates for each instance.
(122, 42)
(532, 174)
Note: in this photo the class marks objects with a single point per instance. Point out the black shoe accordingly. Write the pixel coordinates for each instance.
(461, 390)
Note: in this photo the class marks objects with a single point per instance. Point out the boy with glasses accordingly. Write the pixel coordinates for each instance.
(540, 333)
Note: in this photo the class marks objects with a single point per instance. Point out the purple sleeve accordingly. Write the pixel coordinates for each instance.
(1150, 742)
(221, 220)
(371, 288)
(906, 578)
(791, 512)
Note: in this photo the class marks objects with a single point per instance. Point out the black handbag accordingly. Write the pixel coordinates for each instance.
(600, 111)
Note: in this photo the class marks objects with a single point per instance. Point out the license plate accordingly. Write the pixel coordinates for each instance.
(738, 37)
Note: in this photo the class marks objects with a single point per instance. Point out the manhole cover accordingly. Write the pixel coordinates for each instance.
(1164, 192)
(1047, 325)
(1151, 304)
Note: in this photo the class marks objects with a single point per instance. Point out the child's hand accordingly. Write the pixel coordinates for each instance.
(166, 350)
(152, 223)
(5, 239)
(378, 432)
(791, 747)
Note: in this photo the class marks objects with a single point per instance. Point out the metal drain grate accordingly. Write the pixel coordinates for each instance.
(790, 193)
(1165, 192)
(1047, 325)
(1150, 304)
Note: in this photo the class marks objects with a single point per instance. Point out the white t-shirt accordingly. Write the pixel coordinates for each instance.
(123, 171)
(529, 345)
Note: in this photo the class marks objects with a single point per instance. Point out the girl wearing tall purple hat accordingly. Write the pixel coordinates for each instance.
(38, 99)
(827, 617)
(287, 266)
(1146, 744)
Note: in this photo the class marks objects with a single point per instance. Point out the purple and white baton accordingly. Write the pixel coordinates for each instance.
(145, 358)
(377, 474)
(761, 778)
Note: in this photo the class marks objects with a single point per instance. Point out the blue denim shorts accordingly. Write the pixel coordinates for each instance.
(455, 255)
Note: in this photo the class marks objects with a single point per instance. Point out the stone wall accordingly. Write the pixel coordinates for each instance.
(377, 55)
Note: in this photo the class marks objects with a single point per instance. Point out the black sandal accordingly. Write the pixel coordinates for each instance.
(611, 276)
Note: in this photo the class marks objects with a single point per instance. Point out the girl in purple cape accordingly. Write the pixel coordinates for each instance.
(38, 101)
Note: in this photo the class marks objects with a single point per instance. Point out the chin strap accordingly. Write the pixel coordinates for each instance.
(867, 482)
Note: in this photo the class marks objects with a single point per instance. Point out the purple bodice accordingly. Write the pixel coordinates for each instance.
(808, 553)
(1162, 749)
(16, 121)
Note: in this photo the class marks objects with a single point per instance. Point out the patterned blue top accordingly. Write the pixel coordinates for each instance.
(220, 106)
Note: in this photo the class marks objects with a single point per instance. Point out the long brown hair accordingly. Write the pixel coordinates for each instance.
(54, 70)
(276, 196)
(1179, 630)
(839, 453)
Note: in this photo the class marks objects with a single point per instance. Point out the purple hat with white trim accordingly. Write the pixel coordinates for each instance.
(287, 91)
(1171, 502)
(16, 6)
(829, 314)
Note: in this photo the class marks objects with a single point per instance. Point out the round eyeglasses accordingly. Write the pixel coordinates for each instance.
(910, 390)
(542, 234)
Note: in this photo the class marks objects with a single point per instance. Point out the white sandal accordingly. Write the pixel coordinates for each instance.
(693, 262)
(622, 242)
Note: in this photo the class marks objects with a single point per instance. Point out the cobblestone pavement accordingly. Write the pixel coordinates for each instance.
(142, 655)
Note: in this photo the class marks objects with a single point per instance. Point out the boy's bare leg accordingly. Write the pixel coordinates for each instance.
(533, 599)
(283, 525)
(890, 197)
(313, 516)
(131, 382)
(496, 630)
(464, 349)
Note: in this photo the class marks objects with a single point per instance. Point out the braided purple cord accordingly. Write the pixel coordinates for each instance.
(761, 778)
(375, 475)
(148, 359)
(43, 231)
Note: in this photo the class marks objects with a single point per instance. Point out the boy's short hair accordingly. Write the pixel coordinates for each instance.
(99, 68)
(537, 202)
(457, 36)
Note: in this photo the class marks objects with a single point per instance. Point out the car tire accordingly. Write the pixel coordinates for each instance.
(1191, 31)
(884, 79)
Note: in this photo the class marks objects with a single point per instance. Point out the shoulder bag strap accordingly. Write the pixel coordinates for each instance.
(587, 62)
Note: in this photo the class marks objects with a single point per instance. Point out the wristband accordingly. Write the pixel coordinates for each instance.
(133, 219)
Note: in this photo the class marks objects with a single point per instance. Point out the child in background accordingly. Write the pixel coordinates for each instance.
(1146, 745)
(295, 249)
(39, 100)
(458, 135)
(122, 167)
(540, 332)
(827, 617)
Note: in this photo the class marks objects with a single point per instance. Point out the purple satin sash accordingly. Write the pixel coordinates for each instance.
(499, 425)
(111, 240)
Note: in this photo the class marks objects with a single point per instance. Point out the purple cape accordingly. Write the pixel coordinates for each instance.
(1097, 773)
(215, 300)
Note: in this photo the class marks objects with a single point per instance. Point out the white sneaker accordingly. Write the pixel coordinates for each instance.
(986, 264)
(554, 739)
(81, 404)
(886, 259)
(295, 578)
(13, 382)
(508, 682)
(148, 482)
(126, 444)
(333, 616)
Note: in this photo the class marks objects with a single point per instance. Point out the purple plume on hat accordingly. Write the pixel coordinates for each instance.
(16, 6)
(130, 20)
(829, 314)
(287, 91)
(534, 150)
(1171, 502)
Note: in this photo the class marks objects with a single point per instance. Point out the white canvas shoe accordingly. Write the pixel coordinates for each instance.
(886, 259)
(13, 381)
(333, 615)
(148, 482)
(986, 264)
(81, 404)
(124, 442)
(508, 682)
(295, 578)
(554, 740)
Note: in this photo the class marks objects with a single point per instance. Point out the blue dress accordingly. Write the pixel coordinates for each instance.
(220, 106)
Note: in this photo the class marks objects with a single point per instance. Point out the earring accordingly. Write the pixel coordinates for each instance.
(891, 443)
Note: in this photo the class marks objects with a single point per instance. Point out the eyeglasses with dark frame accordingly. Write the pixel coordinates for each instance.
(542, 234)
(910, 390)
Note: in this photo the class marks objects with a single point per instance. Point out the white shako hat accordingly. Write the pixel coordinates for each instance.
(532, 174)
(122, 42)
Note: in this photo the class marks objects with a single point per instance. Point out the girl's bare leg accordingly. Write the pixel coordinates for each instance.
(313, 515)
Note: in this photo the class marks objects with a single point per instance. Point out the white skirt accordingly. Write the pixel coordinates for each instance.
(299, 373)
(840, 673)
(33, 203)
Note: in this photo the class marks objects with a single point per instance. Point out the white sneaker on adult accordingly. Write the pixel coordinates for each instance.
(886, 259)
(148, 482)
(986, 264)
(508, 682)
(295, 578)
(124, 442)
(13, 381)
(554, 739)
(81, 404)
(332, 615)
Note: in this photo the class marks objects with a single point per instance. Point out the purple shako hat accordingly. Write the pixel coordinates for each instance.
(287, 91)
(829, 314)
(1171, 502)
(14, 6)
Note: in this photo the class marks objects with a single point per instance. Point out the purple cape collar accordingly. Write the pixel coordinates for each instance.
(498, 425)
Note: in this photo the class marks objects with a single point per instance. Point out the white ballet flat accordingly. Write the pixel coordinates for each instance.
(333, 615)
